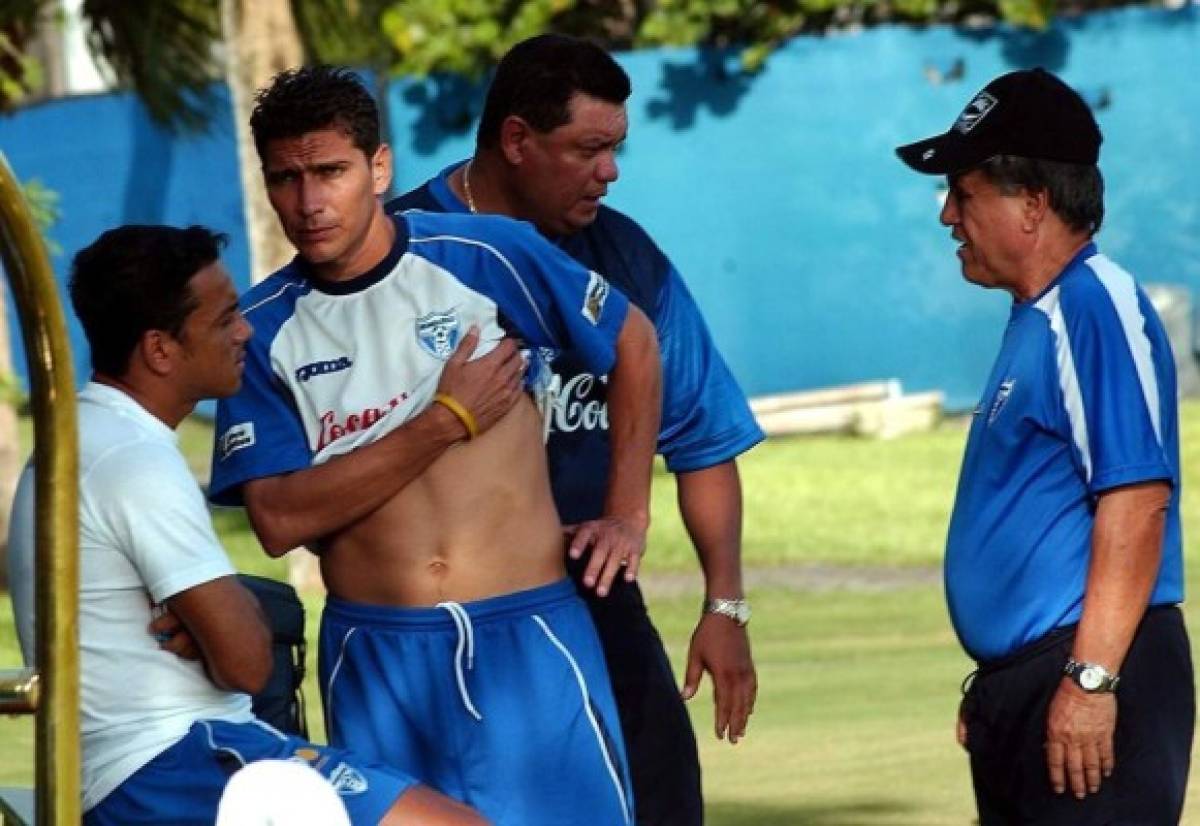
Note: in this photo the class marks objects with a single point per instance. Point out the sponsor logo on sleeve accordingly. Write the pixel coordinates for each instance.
(594, 297)
(438, 333)
(236, 438)
(976, 111)
(347, 780)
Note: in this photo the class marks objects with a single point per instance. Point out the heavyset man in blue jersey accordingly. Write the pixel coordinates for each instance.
(1064, 565)
(382, 419)
(552, 123)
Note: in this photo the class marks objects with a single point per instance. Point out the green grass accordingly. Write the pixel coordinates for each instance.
(833, 739)
(834, 499)
(854, 723)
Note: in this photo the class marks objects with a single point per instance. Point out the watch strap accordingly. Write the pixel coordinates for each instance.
(1092, 678)
(737, 610)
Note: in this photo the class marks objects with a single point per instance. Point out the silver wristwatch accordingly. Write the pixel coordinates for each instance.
(737, 610)
(1092, 678)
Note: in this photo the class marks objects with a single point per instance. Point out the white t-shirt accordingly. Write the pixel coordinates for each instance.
(144, 535)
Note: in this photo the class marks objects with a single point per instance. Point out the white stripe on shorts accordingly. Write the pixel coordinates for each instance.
(587, 707)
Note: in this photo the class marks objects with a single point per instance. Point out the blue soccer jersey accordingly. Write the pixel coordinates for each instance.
(1081, 400)
(336, 365)
(705, 417)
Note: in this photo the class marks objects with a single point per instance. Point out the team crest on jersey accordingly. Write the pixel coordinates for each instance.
(594, 297)
(1002, 396)
(347, 780)
(976, 111)
(438, 333)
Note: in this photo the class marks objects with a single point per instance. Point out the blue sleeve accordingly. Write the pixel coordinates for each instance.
(705, 419)
(258, 431)
(1115, 415)
(551, 300)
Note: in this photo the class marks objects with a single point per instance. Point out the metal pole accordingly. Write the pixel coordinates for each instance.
(52, 384)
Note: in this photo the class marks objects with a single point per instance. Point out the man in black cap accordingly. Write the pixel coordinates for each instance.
(1064, 565)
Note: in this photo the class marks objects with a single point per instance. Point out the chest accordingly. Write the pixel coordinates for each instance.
(357, 366)
(1023, 398)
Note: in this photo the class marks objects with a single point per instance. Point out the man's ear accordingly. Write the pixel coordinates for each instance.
(156, 351)
(515, 133)
(1035, 205)
(381, 170)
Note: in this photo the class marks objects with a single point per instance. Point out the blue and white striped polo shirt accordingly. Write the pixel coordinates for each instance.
(1081, 400)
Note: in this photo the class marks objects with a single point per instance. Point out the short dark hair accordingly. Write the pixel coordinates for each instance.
(537, 78)
(133, 279)
(312, 98)
(1075, 191)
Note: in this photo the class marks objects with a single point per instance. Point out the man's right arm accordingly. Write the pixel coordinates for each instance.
(304, 506)
(226, 623)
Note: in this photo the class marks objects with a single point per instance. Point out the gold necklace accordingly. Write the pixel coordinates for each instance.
(467, 186)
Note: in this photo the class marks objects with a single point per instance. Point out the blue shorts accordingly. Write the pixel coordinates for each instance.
(183, 784)
(503, 703)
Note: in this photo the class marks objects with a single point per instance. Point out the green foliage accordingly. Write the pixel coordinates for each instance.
(43, 203)
(462, 36)
(762, 26)
(164, 51)
(468, 36)
(1033, 14)
(343, 32)
(19, 73)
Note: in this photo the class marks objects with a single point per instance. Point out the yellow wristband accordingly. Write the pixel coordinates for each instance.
(456, 407)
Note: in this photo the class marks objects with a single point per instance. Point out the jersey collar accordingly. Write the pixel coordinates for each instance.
(439, 188)
(368, 279)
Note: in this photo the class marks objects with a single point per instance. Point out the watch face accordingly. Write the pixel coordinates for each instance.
(1090, 678)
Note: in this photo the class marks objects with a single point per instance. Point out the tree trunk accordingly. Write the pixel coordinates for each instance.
(262, 40)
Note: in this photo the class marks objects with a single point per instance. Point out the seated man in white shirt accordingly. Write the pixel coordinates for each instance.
(162, 734)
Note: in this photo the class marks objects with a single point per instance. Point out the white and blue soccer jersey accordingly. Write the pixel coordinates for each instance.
(336, 365)
(705, 417)
(1081, 400)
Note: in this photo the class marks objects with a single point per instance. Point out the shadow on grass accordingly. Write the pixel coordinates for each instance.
(854, 813)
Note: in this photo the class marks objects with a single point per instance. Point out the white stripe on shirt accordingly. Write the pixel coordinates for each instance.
(1123, 292)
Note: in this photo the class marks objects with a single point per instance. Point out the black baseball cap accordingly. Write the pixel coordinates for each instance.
(1029, 113)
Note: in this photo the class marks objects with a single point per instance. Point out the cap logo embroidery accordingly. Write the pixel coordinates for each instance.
(976, 111)
(928, 153)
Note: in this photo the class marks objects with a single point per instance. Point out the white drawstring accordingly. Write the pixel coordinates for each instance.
(466, 639)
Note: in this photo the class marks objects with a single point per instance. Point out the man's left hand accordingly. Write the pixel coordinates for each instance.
(1079, 739)
(616, 545)
(172, 635)
(722, 648)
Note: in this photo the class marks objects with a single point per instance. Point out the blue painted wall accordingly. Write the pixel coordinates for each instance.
(815, 254)
(109, 165)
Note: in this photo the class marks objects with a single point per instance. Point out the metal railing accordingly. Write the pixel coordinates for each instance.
(52, 691)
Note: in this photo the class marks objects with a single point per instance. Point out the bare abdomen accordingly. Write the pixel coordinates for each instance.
(479, 522)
